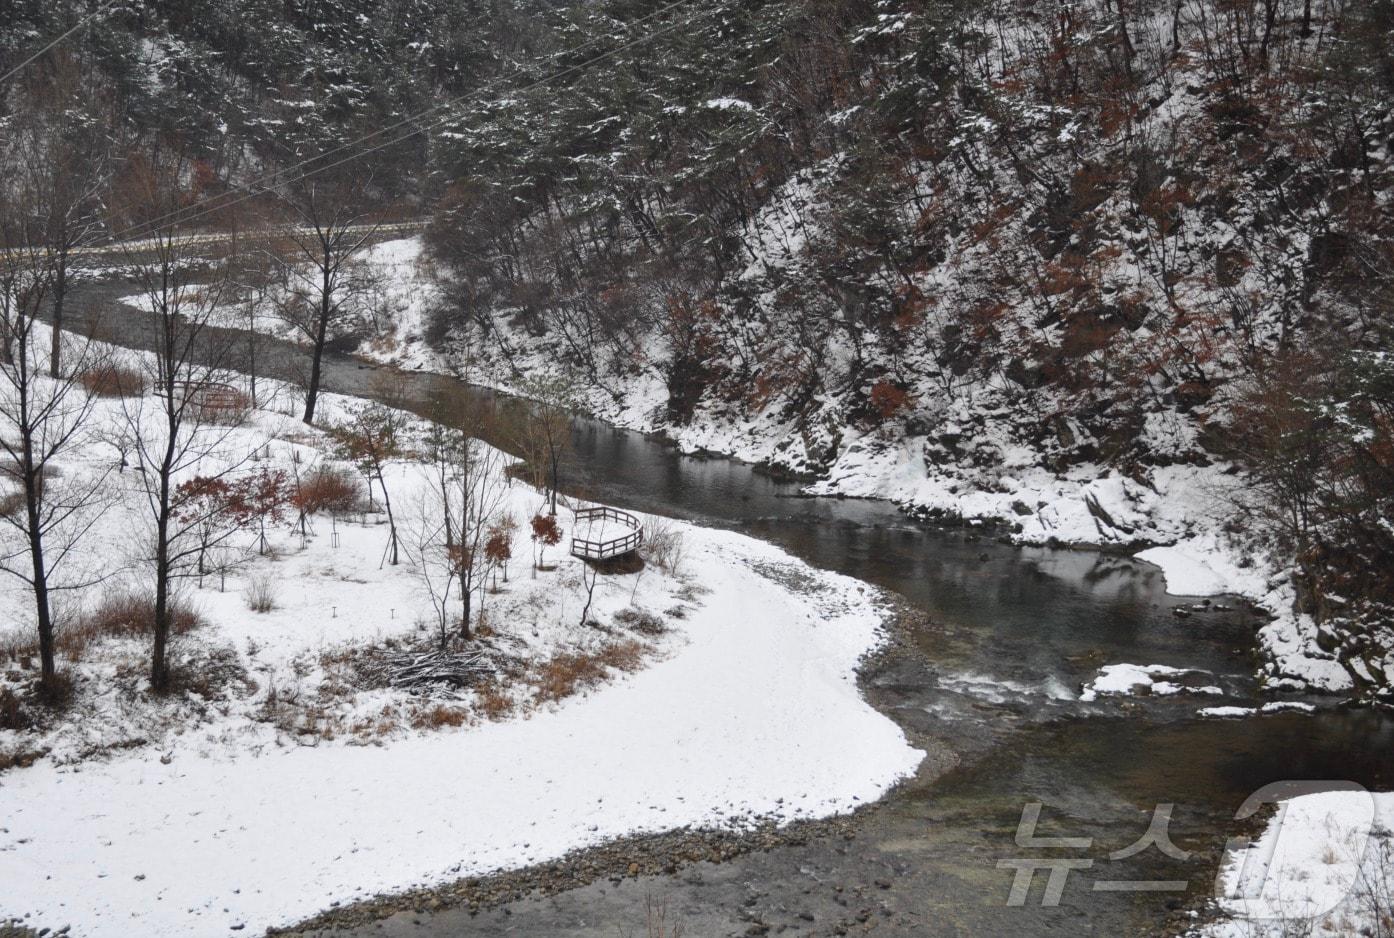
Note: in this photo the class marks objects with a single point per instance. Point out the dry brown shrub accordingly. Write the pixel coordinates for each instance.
(120, 615)
(568, 672)
(331, 489)
(131, 614)
(12, 714)
(663, 545)
(438, 716)
(260, 593)
(11, 503)
(492, 702)
(113, 380)
(228, 407)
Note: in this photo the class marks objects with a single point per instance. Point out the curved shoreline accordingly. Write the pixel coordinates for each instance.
(671, 852)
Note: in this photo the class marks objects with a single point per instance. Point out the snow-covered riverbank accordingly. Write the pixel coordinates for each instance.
(1322, 867)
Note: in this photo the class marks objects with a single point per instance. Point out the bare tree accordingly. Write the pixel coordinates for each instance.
(180, 428)
(373, 436)
(546, 429)
(60, 141)
(253, 275)
(590, 575)
(468, 486)
(41, 419)
(322, 280)
(481, 486)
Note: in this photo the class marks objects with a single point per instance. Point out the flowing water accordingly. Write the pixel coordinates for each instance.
(1008, 636)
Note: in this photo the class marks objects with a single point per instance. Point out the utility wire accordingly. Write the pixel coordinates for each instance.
(265, 185)
(80, 23)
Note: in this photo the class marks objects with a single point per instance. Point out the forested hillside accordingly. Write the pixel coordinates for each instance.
(1091, 216)
(241, 87)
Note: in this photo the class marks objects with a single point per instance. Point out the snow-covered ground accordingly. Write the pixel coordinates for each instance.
(1323, 867)
(267, 802)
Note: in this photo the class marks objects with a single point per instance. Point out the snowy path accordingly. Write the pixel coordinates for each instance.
(761, 705)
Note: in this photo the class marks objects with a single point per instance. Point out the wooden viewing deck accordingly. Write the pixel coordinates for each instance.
(610, 533)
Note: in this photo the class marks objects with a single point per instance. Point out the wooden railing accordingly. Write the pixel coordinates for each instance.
(617, 546)
(212, 395)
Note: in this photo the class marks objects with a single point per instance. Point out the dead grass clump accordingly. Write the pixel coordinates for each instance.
(120, 615)
(18, 644)
(568, 672)
(663, 545)
(564, 674)
(211, 674)
(439, 716)
(493, 702)
(626, 656)
(113, 380)
(55, 692)
(13, 716)
(19, 758)
(640, 621)
(131, 614)
(260, 593)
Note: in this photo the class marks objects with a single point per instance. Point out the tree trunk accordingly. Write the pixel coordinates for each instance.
(252, 361)
(326, 306)
(47, 665)
(391, 522)
(60, 291)
(312, 395)
(467, 594)
(552, 449)
(159, 665)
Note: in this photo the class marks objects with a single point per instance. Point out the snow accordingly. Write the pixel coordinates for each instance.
(1225, 712)
(1276, 706)
(1208, 564)
(1123, 680)
(1322, 864)
(727, 104)
(1186, 574)
(748, 709)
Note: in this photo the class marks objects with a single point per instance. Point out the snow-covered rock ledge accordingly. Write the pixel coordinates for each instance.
(1290, 645)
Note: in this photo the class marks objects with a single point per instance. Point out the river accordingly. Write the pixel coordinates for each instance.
(988, 684)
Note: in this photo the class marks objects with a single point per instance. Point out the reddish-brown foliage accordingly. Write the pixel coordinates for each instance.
(327, 489)
(111, 380)
(888, 398)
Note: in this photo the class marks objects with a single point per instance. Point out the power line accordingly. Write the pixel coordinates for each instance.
(80, 23)
(262, 182)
